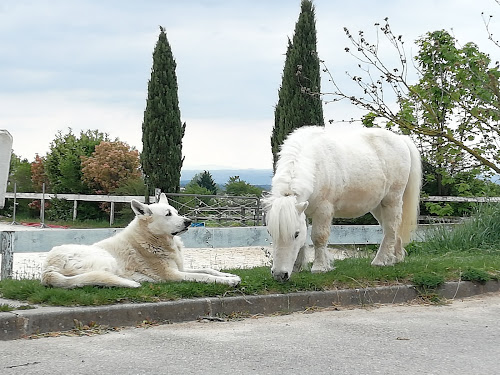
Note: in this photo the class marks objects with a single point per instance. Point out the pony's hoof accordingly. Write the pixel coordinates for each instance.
(321, 269)
(389, 261)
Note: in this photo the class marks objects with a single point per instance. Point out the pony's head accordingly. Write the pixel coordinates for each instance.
(286, 223)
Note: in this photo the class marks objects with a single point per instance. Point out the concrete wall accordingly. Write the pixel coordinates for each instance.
(42, 240)
(5, 152)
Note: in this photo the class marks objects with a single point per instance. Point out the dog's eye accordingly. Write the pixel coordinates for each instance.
(296, 234)
(169, 213)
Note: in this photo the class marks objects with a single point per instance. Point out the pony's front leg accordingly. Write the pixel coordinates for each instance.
(320, 233)
(301, 261)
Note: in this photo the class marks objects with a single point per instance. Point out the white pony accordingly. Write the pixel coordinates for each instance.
(343, 172)
(147, 250)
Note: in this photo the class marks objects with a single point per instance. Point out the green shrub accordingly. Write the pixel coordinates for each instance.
(472, 274)
(427, 281)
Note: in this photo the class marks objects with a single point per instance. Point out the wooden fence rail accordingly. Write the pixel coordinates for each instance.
(218, 209)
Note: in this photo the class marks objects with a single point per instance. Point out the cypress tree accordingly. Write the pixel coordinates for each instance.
(297, 103)
(205, 180)
(162, 129)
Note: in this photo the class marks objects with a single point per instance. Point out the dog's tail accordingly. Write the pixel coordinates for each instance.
(100, 278)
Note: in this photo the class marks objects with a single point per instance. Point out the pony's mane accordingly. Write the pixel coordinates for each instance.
(280, 216)
(295, 167)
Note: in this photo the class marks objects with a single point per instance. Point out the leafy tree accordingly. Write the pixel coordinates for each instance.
(236, 186)
(132, 186)
(19, 174)
(162, 130)
(63, 164)
(206, 181)
(194, 188)
(186, 204)
(453, 110)
(110, 166)
(63, 167)
(38, 175)
(301, 77)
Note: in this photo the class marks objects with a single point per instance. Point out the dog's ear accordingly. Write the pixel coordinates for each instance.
(163, 199)
(140, 208)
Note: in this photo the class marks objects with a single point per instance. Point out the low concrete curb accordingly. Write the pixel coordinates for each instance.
(21, 323)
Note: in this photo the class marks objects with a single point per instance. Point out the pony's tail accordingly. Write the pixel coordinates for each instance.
(411, 196)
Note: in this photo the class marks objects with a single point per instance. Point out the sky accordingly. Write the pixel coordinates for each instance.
(86, 64)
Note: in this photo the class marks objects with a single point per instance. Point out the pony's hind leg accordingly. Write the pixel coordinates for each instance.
(390, 251)
(320, 232)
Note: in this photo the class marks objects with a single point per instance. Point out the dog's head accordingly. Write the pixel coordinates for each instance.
(162, 218)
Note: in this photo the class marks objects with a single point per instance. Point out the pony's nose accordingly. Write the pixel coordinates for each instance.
(187, 222)
(281, 276)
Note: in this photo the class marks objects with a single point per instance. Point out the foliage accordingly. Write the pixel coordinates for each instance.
(20, 178)
(452, 112)
(185, 203)
(480, 231)
(236, 186)
(426, 280)
(63, 168)
(5, 307)
(193, 188)
(38, 175)
(473, 274)
(62, 209)
(301, 76)
(109, 166)
(206, 181)
(162, 130)
(63, 162)
(460, 184)
(131, 186)
(20, 174)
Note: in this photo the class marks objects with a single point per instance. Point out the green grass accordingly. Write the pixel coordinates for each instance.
(471, 251)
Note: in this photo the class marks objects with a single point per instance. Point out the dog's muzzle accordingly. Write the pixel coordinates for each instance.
(187, 223)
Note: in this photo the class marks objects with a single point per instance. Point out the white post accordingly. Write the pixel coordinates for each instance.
(14, 209)
(42, 208)
(7, 252)
(112, 214)
(5, 153)
(75, 208)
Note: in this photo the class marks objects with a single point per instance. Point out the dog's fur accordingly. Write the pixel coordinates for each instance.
(148, 249)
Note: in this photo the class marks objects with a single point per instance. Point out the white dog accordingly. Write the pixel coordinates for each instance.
(148, 249)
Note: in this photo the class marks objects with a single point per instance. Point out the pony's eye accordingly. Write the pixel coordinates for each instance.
(169, 213)
(296, 234)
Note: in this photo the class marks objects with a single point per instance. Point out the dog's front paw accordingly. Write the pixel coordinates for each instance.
(133, 284)
(234, 280)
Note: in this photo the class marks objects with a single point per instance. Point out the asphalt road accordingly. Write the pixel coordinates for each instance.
(460, 338)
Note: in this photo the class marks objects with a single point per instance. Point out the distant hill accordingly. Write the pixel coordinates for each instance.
(257, 177)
